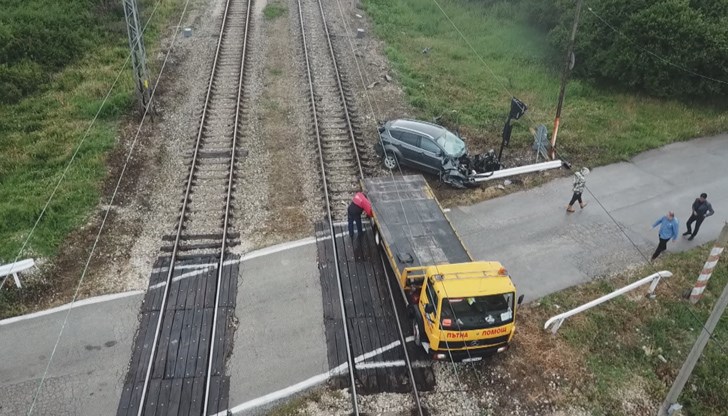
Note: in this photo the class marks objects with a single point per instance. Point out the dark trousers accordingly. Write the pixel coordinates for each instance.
(660, 247)
(354, 219)
(576, 197)
(697, 219)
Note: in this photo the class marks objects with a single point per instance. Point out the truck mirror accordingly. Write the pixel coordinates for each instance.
(429, 308)
(520, 299)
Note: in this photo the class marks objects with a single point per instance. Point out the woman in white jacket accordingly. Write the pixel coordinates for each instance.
(579, 184)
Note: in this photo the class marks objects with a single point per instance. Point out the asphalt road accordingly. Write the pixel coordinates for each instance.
(279, 340)
(280, 337)
(87, 372)
(546, 250)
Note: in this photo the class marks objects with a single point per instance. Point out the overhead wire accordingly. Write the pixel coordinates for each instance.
(108, 209)
(558, 153)
(384, 150)
(397, 187)
(651, 265)
(503, 86)
(642, 48)
(78, 147)
(528, 116)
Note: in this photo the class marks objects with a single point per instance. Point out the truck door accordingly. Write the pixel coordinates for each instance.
(429, 313)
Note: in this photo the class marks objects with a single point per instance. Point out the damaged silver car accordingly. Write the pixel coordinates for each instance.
(433, 149)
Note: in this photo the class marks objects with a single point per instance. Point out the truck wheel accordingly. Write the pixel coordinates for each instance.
(390, 160)
(416, 333)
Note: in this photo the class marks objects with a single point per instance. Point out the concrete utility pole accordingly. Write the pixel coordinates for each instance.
(568, 65)
(138, 54)
(670, 404)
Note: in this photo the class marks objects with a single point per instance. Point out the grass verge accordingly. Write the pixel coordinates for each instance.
(621, 357)
(440, 73)
(41, 133)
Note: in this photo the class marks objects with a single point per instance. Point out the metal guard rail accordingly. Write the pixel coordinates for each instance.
(557, 320)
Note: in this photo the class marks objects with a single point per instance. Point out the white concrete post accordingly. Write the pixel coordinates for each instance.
(707, 271)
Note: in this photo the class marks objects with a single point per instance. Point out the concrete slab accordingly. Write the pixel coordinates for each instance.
(87, 371)
(280, 336)
(547, 250)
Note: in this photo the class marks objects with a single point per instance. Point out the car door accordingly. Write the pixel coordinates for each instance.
(431, 155)
(411, 152)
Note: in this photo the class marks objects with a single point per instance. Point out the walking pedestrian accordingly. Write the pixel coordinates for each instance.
(668, 230)
(579, 184)
(358, 204)
(701, 210)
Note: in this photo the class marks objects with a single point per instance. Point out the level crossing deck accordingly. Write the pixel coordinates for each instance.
(370, 317)
(412, 223)
(177, 384)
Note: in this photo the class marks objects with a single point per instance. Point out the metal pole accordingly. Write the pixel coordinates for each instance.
(670, 404)
(138, 53)
(564, 78)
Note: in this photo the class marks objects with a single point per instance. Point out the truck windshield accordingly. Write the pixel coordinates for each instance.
(476, 312)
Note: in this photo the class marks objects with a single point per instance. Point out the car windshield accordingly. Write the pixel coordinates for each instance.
(451, 143)
(476, 312)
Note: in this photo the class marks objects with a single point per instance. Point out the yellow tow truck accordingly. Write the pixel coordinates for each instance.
(461, 309)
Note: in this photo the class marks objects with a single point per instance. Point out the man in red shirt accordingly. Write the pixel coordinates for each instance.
(358, 204)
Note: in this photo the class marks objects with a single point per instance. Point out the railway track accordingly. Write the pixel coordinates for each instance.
(342, 164)
(334, 115)
(189, 379)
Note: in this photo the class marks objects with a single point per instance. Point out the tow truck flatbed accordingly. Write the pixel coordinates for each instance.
(412, 223)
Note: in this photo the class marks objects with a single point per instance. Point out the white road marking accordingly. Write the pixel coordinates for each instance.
(207, 268)
(381, 364)
(312, 381)
(198, 269)
(277, 248)
(204, 268)
(89, 301)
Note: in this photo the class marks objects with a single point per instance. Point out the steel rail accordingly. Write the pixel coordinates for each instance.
(341, 90)
(349, 352)
(227, 208)
(402, 338)
(190, 178)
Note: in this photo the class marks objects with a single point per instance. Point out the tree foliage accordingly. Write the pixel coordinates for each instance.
(667, 48)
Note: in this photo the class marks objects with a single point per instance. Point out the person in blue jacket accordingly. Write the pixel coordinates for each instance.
(668, 230)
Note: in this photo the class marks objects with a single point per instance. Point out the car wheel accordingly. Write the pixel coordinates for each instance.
(390, 161)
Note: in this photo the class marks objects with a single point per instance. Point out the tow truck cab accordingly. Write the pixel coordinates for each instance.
(463, 311)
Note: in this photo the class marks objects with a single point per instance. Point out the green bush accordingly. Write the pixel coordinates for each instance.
(683, 37)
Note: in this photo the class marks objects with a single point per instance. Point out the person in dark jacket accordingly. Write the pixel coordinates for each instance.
(701, 210)
(358, 204)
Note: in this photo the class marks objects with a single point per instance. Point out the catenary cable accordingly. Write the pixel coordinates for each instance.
(106, 214)
(665, 60)
(366, 93)
(556, 151)
(78, 147)
(649, 263)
